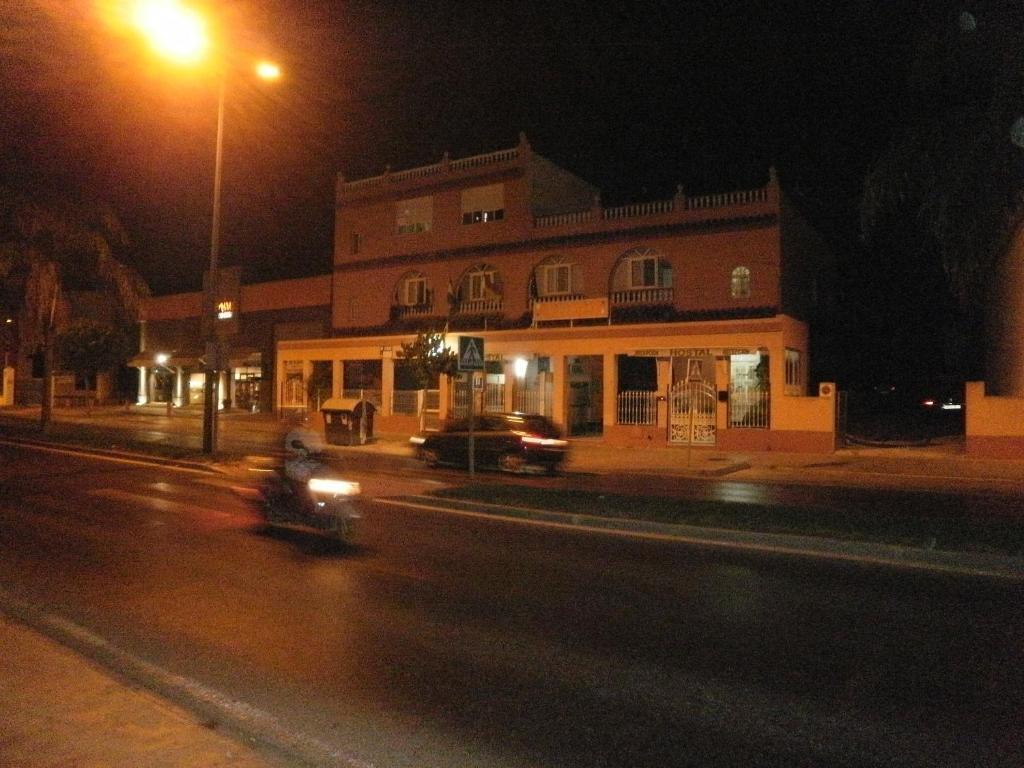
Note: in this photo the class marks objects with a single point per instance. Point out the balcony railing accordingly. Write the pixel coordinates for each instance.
(413, 310)
(425, 171)
(679, 202)
(643, 296)
(479, 306)
(555, 297)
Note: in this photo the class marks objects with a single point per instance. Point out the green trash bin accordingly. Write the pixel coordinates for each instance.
(347, 421)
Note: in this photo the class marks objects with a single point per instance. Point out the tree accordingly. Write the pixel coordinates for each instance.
(50, 248)
(945, 199)
(88, 346)
(426, 359)
(318, 388)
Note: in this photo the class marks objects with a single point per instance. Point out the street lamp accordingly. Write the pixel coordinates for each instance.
(179, 33)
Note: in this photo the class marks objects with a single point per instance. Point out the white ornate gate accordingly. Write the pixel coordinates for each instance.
(692, 407)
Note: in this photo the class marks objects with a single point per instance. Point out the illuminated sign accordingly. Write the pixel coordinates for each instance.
(225, 310)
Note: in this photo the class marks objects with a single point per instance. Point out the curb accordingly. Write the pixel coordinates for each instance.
(148, 458)
(237, 720)
(915, 558)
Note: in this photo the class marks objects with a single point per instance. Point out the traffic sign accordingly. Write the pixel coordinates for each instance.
(471, 353)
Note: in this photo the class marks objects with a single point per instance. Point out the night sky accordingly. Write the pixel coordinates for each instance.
(635, 97)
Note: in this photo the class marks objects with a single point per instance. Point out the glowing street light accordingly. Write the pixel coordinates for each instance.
(179, 33)
(268, 70)
(174, 31)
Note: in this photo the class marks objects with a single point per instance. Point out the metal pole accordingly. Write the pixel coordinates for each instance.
(472, 446)
(213, 363)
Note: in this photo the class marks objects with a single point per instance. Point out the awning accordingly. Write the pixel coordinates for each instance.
(245, 357)
(183, 359)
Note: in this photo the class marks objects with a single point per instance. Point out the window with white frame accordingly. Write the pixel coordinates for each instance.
(483, 204)
(556, 279)
(413, 291)
(740, 283)
(481, 284)
(414, 215)
(648, 270)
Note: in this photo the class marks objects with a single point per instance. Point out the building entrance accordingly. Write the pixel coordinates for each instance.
(585, 391)
(693, 401)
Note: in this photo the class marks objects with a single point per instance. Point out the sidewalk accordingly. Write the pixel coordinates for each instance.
(60, 709)
(939, 466)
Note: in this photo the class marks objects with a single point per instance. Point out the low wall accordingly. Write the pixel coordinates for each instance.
(398, 423)
(634, 435)
(804, 424)
(994, 425)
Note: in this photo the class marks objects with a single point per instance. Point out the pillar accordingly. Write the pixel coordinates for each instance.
(610, 389)
(508, 367)
(7, 390)
(143, 397)
(444, 394)
(559, 391)
(179, 385)
(722, 383)
(337, 377)
(307, 375)
(663, 366)
(387, 382)
(223, 390)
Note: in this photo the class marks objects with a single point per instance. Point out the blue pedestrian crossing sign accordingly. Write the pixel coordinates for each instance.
(471, 353)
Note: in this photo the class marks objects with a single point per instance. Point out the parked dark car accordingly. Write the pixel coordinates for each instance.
(511, 442)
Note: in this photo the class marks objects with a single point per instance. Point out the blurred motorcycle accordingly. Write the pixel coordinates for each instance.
(307, 493)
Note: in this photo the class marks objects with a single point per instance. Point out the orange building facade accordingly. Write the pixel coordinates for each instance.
(678, 321)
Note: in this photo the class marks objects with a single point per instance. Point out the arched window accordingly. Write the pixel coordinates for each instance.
(557, 276)
(642, 268)
(740, 283)
(642, 275)
(479, 290)
(412, 290)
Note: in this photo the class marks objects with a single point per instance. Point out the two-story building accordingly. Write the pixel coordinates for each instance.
(679, 321)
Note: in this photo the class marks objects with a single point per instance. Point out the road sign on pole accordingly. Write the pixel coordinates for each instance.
(471, 353)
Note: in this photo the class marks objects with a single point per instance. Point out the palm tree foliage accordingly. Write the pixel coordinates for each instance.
(56, 247)
(946, 192)
(51, 249)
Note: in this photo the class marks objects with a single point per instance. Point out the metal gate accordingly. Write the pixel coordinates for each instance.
(692, 406)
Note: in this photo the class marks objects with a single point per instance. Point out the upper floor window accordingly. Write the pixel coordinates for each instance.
(412, 291)
(556, 279)
(356, 243)
(648, 270)
(414, 215)
(740, 283)
(480, 284)
(483, 204)
(555, 276)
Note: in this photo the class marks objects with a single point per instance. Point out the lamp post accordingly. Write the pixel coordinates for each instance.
(213, 348)
(179, 33)
(215, 362)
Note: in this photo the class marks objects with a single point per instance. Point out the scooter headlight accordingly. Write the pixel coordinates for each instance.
(334, 487)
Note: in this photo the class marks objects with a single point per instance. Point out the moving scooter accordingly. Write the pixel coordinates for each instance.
(306, 493)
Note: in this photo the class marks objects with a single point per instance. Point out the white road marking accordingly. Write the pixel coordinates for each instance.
(163, 505)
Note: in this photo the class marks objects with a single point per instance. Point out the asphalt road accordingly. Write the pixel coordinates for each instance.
(444, 640)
